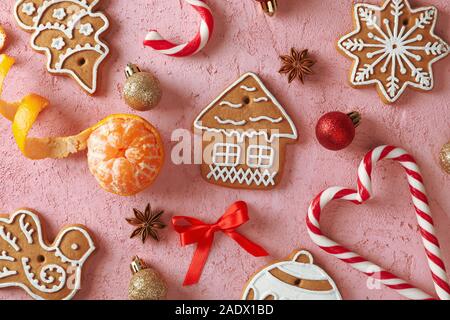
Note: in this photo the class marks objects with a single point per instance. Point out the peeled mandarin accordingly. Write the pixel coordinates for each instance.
(125, 155)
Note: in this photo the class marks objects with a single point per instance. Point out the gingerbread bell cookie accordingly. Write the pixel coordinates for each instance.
(244, 131)
(296, 278)
(27, 261)
(68, 32)
(393, 46)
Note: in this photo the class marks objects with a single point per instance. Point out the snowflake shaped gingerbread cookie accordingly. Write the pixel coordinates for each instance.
(393, 46)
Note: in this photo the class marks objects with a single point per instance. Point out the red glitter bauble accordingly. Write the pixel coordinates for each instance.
(336, 130)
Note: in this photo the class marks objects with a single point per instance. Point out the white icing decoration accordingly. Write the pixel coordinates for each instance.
(273, 120)
(230, 153)
(76, 264)
(264, 284)
(229, 104)
(71, 51)
(9, 238)
(59, 13)
(261, 99)
(250, 133)
(249, 89)
(5, 257)
(26, 230)
(86, 29)
(28, 8)
(7, 273)
(58, 43)
(68, 30)
(74, 246)
(45, 5)
(393, 48)
(260, 156)
(229, 121)
(249, 176)
(44, 278)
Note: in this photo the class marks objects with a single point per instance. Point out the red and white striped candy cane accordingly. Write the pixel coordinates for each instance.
(364, 193)
(156, 41)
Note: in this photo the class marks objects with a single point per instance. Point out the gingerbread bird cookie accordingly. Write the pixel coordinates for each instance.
(45, 272)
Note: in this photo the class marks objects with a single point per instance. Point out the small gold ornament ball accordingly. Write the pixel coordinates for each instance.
(146, 283)
(142, 90)
(445, 158)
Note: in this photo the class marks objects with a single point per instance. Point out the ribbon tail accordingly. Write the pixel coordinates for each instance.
(249, 246)
(198, 261)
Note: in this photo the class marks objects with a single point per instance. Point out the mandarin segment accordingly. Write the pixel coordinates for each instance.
(125, 155)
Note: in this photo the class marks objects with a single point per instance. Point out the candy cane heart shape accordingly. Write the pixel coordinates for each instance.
(364, 193)
(157, 42)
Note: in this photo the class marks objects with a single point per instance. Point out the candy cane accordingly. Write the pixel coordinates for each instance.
(156, 41)
(363, 194)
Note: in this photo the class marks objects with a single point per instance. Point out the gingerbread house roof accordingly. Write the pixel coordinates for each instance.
(247, 109)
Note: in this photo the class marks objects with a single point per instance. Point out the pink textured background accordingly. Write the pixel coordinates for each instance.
(244, 40)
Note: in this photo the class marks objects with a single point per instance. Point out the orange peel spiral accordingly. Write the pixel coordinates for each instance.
(122, 163)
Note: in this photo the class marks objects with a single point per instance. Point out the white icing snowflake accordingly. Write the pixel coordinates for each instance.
(397, 45)
(28, 8)
(86, 29)
(58, 43)
(59, 13)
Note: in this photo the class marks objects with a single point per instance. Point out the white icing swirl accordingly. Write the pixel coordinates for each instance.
(44, 278)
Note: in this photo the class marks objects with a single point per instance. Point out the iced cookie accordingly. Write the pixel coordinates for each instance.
(245, 131)
(45, 272)
(296, 278)
(68, 32)
(394, 47)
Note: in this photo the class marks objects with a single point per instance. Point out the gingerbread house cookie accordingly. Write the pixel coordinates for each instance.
(244, 132)
(393, 47)
(296, 278)
(68, 32)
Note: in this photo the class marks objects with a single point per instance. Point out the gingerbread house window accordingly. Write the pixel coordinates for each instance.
(226, 154)
(260, 156)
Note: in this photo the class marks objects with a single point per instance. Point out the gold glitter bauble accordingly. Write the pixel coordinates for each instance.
(146, 283)
(142, 90)
(445, 157)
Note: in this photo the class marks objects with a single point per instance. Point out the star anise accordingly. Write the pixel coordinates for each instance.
(147, 223)
(297, 65)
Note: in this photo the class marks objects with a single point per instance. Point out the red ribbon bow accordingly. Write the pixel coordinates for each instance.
(192, 231)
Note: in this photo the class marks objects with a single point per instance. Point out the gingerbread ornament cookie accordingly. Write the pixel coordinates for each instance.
(245, 131)
(45, 272)
(68, 32)
(393, 46)
(296, 278)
